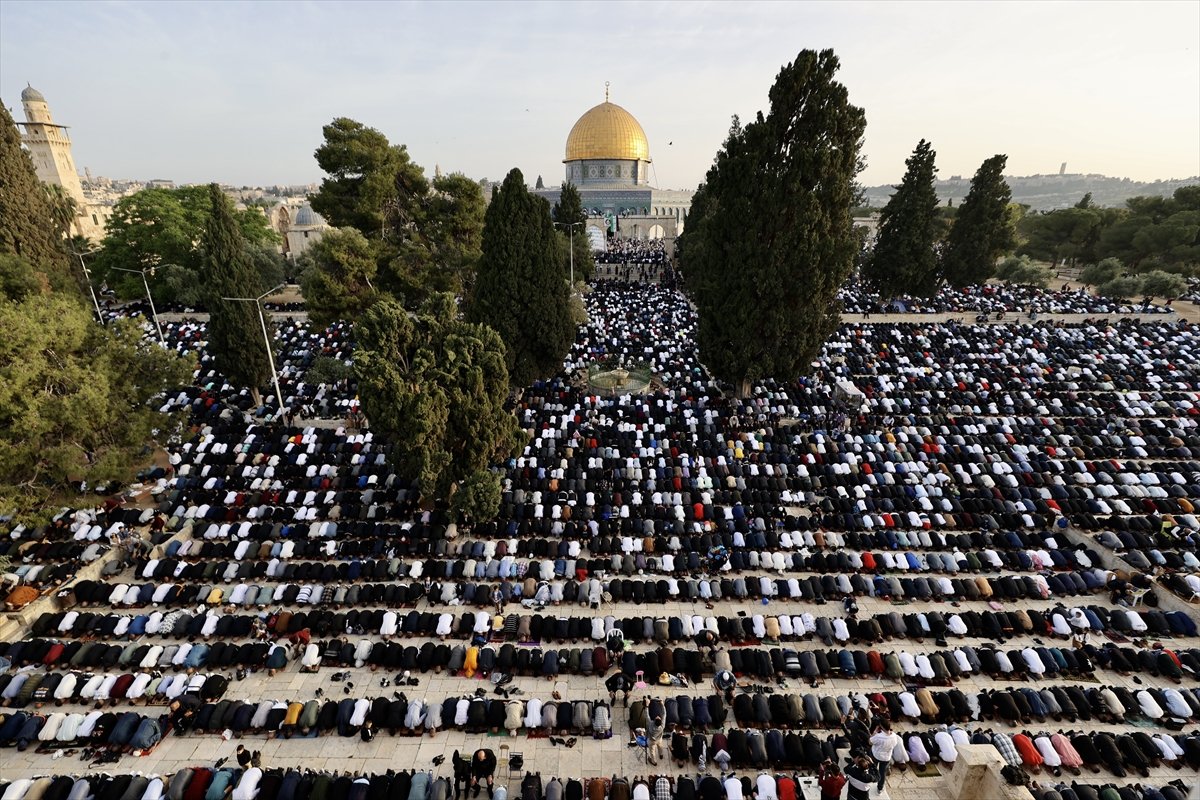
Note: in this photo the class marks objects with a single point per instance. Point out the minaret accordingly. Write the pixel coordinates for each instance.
(49, 145)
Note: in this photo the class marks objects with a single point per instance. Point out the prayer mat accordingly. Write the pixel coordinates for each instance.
(927, 771)
(1116, 637)
(745, 643)
(902, 602)
(537, 733)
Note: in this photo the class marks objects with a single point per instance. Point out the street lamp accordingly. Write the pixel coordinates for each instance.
(87, 276)
(153, 312)
(266, 337)
(570, 226)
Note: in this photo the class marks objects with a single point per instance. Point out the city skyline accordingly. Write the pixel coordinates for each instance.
(238, 93)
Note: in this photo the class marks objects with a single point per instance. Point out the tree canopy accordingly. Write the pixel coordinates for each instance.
(905, 261)
(769, 239)
(74, 400)
(362, 169)
(1021, 270)
(74, 396)
(982, 230)
(520, 289)
(569, 211)
(234, 329)
(161, 228)
(28, 229)
(337, 283)
(437, 385)
(437, 244)
(1147, 233)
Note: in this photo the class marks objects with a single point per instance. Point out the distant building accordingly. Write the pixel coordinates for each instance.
(297, 224)
(608, 160)
(49, 146)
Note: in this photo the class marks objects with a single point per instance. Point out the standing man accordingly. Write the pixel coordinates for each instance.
(654, 737)
(859, 776)
(830, 780)
(883, 745)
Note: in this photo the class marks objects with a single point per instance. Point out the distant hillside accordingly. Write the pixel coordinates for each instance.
(1047, 192)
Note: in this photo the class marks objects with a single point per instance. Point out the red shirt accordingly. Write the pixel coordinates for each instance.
(831, 786)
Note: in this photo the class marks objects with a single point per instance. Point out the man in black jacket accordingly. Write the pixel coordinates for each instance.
(483, 770)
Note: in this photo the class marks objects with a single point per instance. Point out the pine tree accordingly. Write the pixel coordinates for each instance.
(769, 240)
(437, 386)
(27, 219)
(905, 261)
(235, 336)
(539, 184)
(982, 230)
(520, 289)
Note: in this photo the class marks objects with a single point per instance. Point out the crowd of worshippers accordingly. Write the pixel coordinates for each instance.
(859, 298)
(1001, 436)
(1077, 790)
(633, 251)
(299, 344)
(255, 783)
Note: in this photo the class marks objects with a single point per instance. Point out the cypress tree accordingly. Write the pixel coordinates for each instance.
(519, 289)
(769, 239)
(27, 226)
(234, 331)
(904, 261)
(569, 207)
(982, 230)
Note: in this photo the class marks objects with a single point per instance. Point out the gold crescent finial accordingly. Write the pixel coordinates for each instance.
(606, 91)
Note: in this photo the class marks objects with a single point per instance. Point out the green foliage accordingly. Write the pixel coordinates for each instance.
(1121, 288)
(1020, 270)
(163, 227)
(1165, 231)
(63, 209)
(905, 261)
(437, 385)
(327, 370)
(18, 278)
(769, 239)
(568, 210)
(74, 400)
(1067, 235)
(74, 396)
(362, 168)
(1158, 283)
(1102, 272)
(569, 207)
(435, 247)
(337, 284)
(27, 218)
(234, 329)
(520, 290)
(477, 497)
(982, 230)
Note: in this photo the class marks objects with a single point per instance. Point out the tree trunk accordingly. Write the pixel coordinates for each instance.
(256, 395)
(744, 388)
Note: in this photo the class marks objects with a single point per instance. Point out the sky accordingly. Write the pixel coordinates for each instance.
(237, 92)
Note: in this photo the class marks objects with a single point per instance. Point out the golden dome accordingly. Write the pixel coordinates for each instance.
(607, 132)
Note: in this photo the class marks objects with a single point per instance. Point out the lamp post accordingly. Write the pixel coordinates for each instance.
(87, 276)
(153, 311)
(266, 337)
(570, 226)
